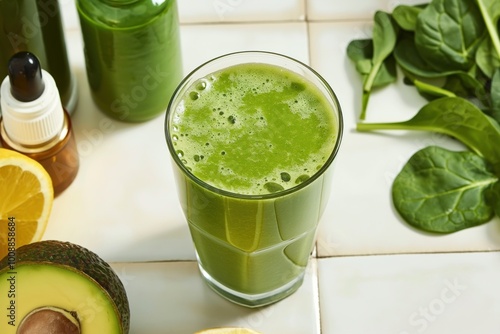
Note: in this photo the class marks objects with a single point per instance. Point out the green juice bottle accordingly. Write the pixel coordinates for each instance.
(132, 54)
(36, 26)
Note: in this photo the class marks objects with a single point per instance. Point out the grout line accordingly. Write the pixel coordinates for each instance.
(306, 19)
(318, 295)
(151, 262)
(319, 257)
(344, 20)
(308, 36)
(211, 23)
(408, 253)
(306, 10)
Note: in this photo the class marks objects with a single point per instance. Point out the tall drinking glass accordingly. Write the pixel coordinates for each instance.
(253, 136)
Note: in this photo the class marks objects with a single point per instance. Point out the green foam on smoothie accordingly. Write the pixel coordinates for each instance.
(253, 129)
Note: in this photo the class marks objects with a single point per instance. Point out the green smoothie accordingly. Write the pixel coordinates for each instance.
(254, 129)
(253, 143)
(132, 54)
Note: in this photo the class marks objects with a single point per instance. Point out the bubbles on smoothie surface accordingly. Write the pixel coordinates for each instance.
(273, 187)
(194, 95)
(285, 177)
(253, 129)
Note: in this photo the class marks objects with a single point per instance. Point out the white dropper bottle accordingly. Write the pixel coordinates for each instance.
(34, 121)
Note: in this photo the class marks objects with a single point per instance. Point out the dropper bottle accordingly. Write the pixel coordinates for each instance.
(34, 121)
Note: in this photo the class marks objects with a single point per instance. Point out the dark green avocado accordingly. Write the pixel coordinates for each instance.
(50, 287)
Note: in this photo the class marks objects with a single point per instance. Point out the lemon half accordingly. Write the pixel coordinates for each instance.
(26, 198)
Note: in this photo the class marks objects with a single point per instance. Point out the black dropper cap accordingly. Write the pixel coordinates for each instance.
(25, 75)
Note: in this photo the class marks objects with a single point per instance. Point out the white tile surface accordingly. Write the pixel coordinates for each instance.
(202, 43)
(69, 14)
(172, 298)
(360, 218)
(124, 207)
(407, 294)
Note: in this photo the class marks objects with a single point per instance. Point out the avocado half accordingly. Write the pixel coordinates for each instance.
(50, 287)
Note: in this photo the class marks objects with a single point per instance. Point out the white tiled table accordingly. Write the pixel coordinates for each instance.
(371, 273)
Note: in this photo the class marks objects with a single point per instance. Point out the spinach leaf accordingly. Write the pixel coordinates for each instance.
(406, 16)
(490, 10)
(385, 33)
(494, 111)
(360, 51)
(444, 191)
(408, 57)
(456, 83)
(495, 90)
(487, 58)
(493, 197)
(387, 73)
(466, 85)
(457, 118)
(448, 33)
(450, 51)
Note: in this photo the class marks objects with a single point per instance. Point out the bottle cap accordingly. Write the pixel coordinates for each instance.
(31, 107)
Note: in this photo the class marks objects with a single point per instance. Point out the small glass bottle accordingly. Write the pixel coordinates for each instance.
(34, 121)
(132, 55)
(36, 26)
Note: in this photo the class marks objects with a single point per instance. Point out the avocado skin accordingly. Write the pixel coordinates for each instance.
(78, 259)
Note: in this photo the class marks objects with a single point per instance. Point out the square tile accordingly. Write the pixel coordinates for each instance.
(360, 218)
(201, 43)
(172, 298)
(409, 294)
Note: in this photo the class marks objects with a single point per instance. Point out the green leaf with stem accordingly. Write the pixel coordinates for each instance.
(457, 118)
(385, 34)
(488, 54)
(444, 191)
(490, 10)
(361, 53)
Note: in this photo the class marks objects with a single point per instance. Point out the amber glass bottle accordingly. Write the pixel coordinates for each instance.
(35, 123)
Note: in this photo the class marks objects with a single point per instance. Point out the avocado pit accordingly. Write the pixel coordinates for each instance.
(49, 320)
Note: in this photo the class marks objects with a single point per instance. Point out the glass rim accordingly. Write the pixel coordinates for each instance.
(277, 194)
